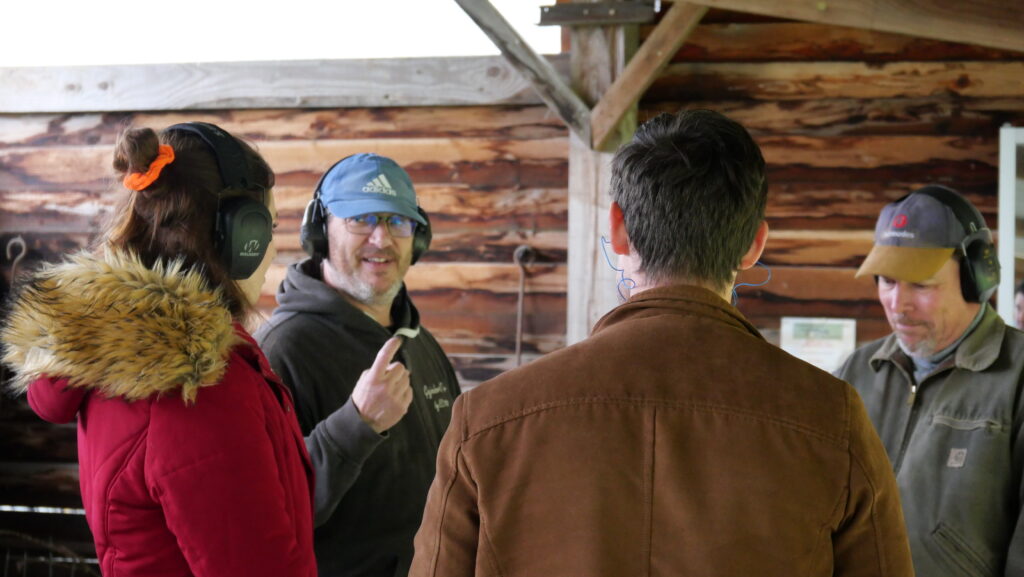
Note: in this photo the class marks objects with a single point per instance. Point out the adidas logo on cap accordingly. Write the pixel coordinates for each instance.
(380, 185)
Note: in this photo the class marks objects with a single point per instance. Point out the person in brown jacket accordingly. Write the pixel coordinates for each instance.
(674, 440)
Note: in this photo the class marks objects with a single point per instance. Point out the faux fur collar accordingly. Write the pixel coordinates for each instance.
(113, 325)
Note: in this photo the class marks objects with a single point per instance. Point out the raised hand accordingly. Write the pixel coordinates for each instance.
(382, 395)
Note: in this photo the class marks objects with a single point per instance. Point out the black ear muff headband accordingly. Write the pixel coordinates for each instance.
(231, 162)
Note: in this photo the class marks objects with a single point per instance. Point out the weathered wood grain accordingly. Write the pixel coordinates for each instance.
(808, 292)
(438, 161)
(806, 80)
(985, 22)
(817, 204)
(800, 216)
(235, 85)
(947, 115)
(40, 191)
(817, 248)
(813, 42)
(458, 207)
(502, 122)
(472, 161)
(497, 278)
(475, 369)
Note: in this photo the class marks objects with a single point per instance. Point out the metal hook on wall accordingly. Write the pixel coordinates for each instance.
(523, 256)
(16, 242)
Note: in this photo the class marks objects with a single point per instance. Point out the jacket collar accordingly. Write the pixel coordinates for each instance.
(976, 353)
(685, 300)
(113, 324)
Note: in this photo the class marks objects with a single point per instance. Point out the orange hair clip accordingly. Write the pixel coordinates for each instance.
(140, 180)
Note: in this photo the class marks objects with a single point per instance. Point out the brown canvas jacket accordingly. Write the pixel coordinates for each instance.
(673, 441)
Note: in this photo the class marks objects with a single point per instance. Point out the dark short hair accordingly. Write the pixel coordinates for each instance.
(174, 217)
(693, 191)
(1019, 289)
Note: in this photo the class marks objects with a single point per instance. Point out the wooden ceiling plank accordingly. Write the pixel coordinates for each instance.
(388, 82)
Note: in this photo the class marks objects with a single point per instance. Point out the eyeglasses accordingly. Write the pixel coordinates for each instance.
(399, 226)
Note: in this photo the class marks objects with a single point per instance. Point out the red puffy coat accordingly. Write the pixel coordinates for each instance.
(191, 459)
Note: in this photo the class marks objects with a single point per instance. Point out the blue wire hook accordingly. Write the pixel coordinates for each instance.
(736, 298)
(622, 273)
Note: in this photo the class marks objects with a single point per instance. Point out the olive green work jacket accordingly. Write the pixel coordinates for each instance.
(956, 443)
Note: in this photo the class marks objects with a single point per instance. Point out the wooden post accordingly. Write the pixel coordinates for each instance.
(599, 55)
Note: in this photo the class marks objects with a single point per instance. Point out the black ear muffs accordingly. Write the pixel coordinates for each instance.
(421, 237)
(313, 232)
(244, 226)
(979, 265)
(244, 231)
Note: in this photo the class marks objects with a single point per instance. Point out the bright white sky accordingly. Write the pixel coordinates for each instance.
(74, 32)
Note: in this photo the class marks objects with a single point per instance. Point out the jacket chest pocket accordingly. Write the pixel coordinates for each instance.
(987, 425)
(955, 442)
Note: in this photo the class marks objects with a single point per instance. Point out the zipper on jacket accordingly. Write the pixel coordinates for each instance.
(911, 421)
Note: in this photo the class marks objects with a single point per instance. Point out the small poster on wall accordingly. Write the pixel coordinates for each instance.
(823, 342)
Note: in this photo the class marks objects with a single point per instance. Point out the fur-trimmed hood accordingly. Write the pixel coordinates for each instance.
(113, 325)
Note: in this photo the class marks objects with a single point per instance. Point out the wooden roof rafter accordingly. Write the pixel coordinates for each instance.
(559, 97)
(594, 126)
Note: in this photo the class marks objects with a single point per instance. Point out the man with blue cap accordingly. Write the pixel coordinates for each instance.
(372, 434)
(945, 390)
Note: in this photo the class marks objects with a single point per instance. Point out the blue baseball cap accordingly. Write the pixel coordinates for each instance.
(367, 183)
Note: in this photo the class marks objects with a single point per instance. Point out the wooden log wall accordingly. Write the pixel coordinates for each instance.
(848, 121)
(492, 178)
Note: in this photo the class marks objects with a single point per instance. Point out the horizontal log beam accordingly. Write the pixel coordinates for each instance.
(818, 80)
(992, 23)
(946, 115)
(813, 42)
(509, 122)
(939, 116)
(473, 161)
(486, 162)
(456, 81)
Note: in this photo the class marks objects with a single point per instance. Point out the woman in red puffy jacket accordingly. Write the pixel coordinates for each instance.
(191, 459)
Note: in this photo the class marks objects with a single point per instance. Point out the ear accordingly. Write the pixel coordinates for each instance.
(756, 247)
(617, 228)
